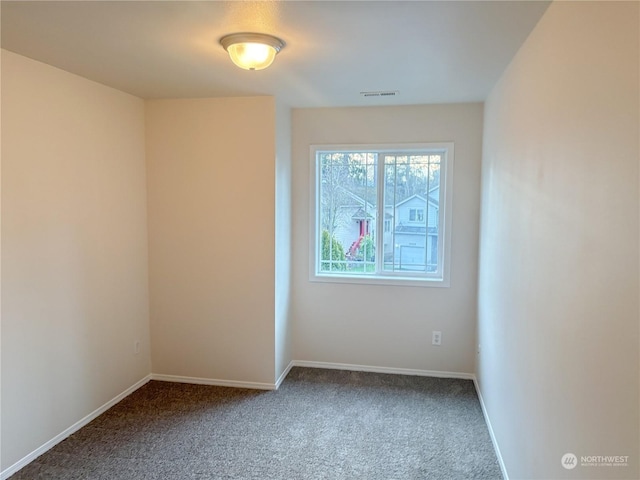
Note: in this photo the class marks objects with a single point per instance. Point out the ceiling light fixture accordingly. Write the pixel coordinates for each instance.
(252, 51)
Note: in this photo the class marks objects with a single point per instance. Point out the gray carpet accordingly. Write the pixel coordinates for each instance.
(320, 424)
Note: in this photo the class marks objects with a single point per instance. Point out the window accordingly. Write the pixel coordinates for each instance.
(380, 213)
(416, 215)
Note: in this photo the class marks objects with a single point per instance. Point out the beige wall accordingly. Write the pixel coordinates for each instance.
(211, 190)
(558, 284)
(390, 326)
(74, 249)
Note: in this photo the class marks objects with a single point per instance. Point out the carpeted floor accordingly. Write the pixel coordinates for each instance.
(320, 424)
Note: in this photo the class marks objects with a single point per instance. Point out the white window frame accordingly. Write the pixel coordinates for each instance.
(442, 277)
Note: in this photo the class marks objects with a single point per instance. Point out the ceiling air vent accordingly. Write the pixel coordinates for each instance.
(382, 93)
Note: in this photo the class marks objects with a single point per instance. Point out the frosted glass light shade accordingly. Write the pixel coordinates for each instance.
(252, 56)
(252, 51)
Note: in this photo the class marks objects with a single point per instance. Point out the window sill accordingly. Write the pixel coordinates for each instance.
(381, 280)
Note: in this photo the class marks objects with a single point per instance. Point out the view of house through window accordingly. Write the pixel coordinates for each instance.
(379, 213)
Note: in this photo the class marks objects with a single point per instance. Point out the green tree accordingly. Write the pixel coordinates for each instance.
(333, 250)
(367, 249)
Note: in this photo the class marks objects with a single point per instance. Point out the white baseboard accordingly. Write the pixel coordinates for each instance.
(284, 375)
(213, 381)
(72, 429)
(496, 447)
(395, 371)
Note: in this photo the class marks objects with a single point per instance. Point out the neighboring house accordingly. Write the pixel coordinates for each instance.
(355, 222)
(415, 235)
(410, 230)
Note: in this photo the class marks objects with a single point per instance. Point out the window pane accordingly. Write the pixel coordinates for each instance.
(347, 184)
(348, 198)
(411, 198)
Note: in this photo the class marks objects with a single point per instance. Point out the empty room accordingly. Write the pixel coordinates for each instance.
(298, 240)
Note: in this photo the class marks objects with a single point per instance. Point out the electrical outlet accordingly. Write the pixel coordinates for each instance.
(436, 338)
(136, 347)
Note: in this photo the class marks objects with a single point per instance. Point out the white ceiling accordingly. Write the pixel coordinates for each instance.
(431, 52)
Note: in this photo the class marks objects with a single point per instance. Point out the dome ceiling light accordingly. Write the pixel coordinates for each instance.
(252, 51)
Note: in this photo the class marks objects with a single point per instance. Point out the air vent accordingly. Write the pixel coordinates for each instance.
(383, 93)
